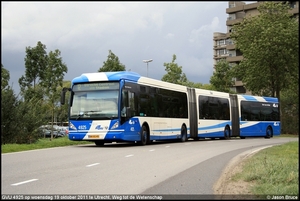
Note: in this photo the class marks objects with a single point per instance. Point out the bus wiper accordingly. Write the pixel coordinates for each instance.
(92, 111)
(79, 115)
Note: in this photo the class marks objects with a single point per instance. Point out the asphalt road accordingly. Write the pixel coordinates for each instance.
(168, 168)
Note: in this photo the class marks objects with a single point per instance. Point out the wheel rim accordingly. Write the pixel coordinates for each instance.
(144, 136)
(269, 132)
(226, 133)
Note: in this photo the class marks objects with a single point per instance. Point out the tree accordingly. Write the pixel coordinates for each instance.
(290, 110)
(40, 85)
(8, 103)
(112, 64)
(174, 73)
(53, 80)
(221, 79)
(35, 66)
(270, 46)
(4, 78)
(10, 116)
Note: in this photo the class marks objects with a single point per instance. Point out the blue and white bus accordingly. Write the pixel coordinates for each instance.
(123, 106)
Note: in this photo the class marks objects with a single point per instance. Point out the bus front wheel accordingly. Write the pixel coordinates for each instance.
(144, 136)
(99, 143)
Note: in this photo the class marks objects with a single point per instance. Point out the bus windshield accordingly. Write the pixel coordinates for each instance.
(95, 104)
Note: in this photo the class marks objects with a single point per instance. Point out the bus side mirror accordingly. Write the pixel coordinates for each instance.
(63, 95)
(124, 112)
(128, 112)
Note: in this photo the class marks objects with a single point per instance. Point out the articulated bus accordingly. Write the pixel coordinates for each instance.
(123, 106)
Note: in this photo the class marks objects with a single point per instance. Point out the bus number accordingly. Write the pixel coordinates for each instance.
(82, 127)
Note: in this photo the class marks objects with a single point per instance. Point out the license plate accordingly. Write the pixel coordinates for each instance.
(93, 136)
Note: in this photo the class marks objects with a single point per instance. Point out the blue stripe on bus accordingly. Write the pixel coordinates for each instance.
(271, 99)
(121, 75)
(249, 98)
(81, 78)
(111, 76)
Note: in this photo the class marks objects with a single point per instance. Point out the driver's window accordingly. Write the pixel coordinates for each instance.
(128, 102)
(124, 103)
(131, 103)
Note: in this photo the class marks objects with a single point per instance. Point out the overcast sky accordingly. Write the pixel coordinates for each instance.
(84, 32)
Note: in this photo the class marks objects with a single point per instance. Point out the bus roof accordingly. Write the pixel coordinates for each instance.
(137, 78)
(106, 76)
(128, 75)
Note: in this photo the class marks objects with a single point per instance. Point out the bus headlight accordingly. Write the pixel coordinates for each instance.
(116, 125)
(72, 126)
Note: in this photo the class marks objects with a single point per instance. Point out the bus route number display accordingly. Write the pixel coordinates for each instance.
(96, 86)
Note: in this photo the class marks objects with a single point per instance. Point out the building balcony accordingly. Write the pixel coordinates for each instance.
(234, 59)
(242, 7)
(230, 47)
(251, 6)
(218, 47)
(234, 9)
(295, 11)
(223, 56)
(238, 84)
(233, 22)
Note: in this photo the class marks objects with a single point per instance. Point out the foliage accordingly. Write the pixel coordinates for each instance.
(9, 115)
(4, 77)
(33, 116)
(270, 46)
(112, 64)
(290, 109)
(40, 91)
(35, 66)
(174, 73)
(221, 80)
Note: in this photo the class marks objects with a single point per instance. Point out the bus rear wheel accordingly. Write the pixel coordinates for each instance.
(227, 133)
(183, 134)
(269, 133)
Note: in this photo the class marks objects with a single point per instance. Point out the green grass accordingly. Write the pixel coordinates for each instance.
(273, 171)
(41, 144)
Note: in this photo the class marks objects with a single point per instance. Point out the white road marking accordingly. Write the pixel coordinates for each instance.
(92, 164)
(152, 150)
(24, 182)
(129, 155)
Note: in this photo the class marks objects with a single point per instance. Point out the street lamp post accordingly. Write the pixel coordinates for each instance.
(147, 61)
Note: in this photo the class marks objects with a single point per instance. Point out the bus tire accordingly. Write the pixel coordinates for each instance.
(144, 136)
(99, 143)
(227, 133)
(183, 134)
(269, 133)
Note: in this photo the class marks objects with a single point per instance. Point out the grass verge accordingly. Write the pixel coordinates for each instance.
(273, 171)
(41, 144)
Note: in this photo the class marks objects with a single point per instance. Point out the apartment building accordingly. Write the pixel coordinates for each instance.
(224, 47)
